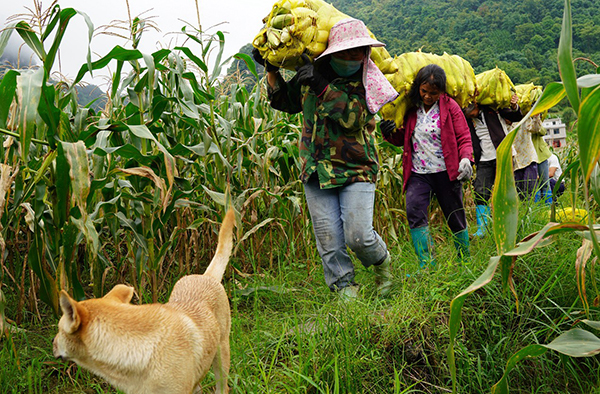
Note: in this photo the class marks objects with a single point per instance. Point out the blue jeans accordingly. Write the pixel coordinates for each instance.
(343, 217)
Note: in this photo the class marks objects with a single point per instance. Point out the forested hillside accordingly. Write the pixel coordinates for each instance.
(520, 37)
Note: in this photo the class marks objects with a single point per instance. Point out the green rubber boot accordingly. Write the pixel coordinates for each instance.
(423, 245)
(383, 276)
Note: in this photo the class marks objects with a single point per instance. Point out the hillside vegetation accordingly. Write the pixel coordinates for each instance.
(520, 37)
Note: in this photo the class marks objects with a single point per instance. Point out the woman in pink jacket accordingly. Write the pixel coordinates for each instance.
(437, 157)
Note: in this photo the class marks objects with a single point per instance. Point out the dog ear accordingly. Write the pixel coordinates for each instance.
(121, 293)
(70, 312)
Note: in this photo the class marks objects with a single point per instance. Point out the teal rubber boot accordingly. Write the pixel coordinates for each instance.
(423, 245)
(461, 243)
(482, 213)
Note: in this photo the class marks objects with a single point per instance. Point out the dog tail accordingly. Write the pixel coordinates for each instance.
(217, 266)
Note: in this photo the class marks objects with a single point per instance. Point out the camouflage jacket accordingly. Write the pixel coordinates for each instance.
(338, 134)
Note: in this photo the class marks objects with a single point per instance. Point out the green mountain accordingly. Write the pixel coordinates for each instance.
(520, 37)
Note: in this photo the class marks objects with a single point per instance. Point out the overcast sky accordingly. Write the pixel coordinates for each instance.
(240, 20)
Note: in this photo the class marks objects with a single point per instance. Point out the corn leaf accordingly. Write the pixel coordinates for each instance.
(528, 352)
(127, 151)
(456, 311)
(573, 343)
(69, 247)
(553, 93)
(117, 53)
(165, 248)
(576, 343)
(29, 90)
(63, 187)
(565, 58)
(64, 18)
(197, 61)
(142, 131)
(5, 36)
(218, 65)
(87, 228)
(130, 224)
(505, 200)
(588, 132)
(532, 241)
(249, 63)
(8, 86)
(49, 113)
(592, 323)
(48, 286)
(77, 159)
(27, 34)
(588, 81)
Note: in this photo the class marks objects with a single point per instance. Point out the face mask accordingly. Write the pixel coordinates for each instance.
(345, 68)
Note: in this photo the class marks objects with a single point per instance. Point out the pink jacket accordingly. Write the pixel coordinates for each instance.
(455, 135)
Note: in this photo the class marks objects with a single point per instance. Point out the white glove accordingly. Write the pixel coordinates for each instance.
(465, 170)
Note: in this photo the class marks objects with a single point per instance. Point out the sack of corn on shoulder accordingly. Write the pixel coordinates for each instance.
(402, 70)
(528, 95)
(294, 27)
(494, 88)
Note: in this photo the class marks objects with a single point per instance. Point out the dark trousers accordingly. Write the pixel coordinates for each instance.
(484, 181)
(526, 181)
(420, 189)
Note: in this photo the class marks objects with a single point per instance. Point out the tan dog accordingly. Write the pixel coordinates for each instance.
(154, 348)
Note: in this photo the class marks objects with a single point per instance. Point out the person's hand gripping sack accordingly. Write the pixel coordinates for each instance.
(259, 59)
(465, 170)
(387, 127)
(309, 76)
(514, 102)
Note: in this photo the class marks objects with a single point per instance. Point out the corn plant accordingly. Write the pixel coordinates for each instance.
(584, 95)
(127, 193)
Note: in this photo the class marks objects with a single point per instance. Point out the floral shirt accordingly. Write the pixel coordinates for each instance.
(427, 153)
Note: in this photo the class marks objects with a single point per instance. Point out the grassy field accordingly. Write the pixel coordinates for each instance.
(291, 335)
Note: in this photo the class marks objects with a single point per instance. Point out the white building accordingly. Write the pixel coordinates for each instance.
(556, 132)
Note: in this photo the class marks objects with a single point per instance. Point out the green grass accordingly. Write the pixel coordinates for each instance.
(291, 335)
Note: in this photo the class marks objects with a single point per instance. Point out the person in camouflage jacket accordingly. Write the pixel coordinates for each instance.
(338, 96)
